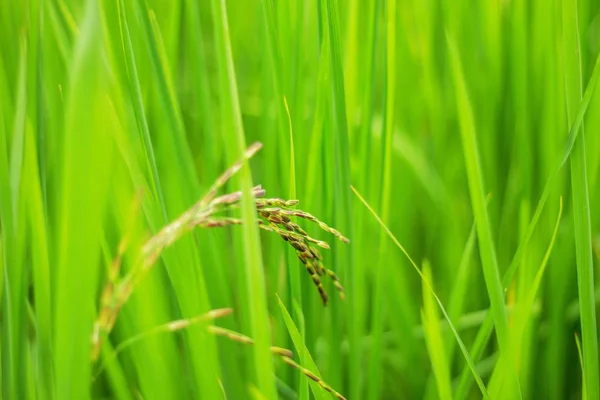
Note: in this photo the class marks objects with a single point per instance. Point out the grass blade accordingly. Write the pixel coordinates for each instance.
(253, 271)
(83, 194)
(138, 105)
(305, 357)
(476, 189)
(433, 339)
(430, 289)
(12, 307)
(41, 272)
(477, 194)
(580, 355)
(581, 203)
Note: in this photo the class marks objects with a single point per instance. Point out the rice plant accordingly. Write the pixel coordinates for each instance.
(295, 200)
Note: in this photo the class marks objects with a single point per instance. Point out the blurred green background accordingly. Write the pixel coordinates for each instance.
(461, 123)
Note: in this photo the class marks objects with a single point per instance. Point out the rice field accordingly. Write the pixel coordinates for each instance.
(299, 200)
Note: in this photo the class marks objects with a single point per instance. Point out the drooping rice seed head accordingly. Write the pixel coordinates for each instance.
(307, 255)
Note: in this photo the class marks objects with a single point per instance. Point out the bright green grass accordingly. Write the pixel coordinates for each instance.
(469, 131)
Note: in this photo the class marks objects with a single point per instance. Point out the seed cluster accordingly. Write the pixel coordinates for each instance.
(274, 215)
(277, 219)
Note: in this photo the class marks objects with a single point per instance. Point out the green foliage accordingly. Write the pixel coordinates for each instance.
(459, 124)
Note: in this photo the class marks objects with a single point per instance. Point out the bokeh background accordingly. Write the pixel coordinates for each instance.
(450, 118)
